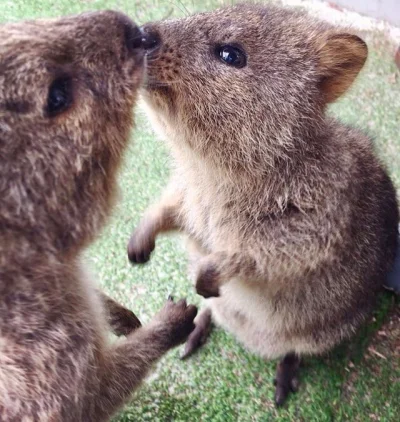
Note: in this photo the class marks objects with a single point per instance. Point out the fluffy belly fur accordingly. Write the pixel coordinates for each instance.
(246, 309)
(251, 317)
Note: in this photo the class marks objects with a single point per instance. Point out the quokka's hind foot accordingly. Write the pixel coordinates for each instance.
(199, 335)
(286, 380)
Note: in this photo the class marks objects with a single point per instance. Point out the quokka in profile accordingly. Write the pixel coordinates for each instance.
(67, 89)
(291, 217)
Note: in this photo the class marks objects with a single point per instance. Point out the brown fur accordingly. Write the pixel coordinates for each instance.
(122, 321)
(293, 218)
(57, 187)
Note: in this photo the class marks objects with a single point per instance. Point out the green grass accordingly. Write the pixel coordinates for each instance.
(224, 382)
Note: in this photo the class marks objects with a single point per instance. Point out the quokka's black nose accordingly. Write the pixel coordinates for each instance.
(133, 36)
(151, 39)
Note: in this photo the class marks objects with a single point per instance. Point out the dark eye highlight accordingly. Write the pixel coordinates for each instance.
(59, 98)
(231, 55)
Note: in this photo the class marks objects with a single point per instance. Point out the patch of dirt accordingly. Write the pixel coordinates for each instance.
(385, 343)
(383, 346)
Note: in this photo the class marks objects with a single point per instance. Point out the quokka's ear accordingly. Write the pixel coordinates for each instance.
(340, 59)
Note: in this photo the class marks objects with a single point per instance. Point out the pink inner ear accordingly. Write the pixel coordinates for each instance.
(341, 57)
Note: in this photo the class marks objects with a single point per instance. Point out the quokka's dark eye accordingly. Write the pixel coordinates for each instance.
(231, 55)
(59, 98)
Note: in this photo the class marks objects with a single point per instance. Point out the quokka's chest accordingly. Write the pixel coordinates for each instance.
(210, 219)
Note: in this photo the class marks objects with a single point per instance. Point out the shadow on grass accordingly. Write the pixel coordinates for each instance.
(354, 350)
(359, 372)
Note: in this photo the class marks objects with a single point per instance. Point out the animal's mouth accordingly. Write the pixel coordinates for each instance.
(151, 42)
(155, 82)
(160, 95)
(162, 64)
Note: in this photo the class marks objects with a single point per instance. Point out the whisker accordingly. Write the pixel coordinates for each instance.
(181, 3)
(168, 15)
(164, 84)
(183, 11)
(153, 59)
(161, 66)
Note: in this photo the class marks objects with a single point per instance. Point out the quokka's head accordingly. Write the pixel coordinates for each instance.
(67, 88)
(247, 85)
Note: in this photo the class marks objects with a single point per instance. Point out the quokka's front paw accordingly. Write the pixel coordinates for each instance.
(141, 245)
(207, 280)
(177, 321)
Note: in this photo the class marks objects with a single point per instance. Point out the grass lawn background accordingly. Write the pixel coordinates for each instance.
(357, 382)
